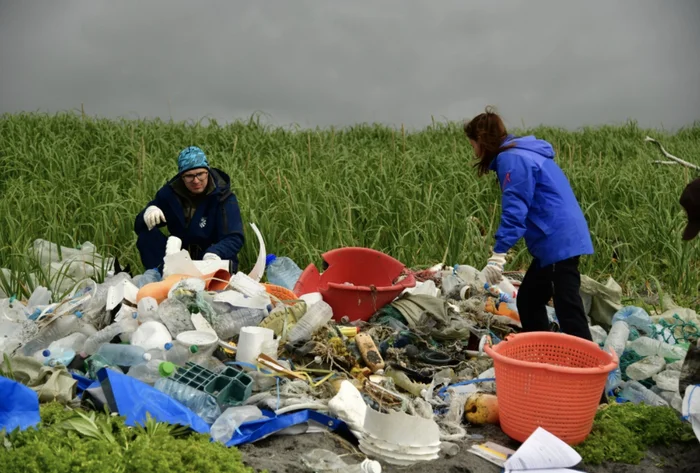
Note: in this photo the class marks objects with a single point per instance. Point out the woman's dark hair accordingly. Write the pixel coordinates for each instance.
(489, 132)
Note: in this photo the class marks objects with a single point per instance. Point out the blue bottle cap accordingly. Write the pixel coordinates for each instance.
(46, 353)
(168, 346)
(269, 259)
(78, 314)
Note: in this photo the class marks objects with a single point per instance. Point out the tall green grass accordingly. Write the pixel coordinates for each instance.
(70, 178)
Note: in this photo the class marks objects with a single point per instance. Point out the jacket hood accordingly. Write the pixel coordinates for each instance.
(530, 143)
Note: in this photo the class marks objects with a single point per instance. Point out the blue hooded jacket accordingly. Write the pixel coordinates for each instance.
(216, 226)
(538, 204)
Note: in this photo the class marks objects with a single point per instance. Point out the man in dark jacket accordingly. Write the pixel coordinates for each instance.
(198, 207)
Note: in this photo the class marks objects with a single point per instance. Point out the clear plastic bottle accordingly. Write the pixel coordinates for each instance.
(598, 333)
(148, 310)
(199, 402)
(105, 335)
(667, 380)
(63, 326)
(175, 353)
(317, 315)
(619, 333)
(325, 461)
(62, 356)
(152, 371)
(645, 368)
(646, 346)
(123, 355)
(282, 271)
(150, 276)
(635, 392)
(635, 317)
(614, 380)
(41, 297)
(223, 428)
(230, 320)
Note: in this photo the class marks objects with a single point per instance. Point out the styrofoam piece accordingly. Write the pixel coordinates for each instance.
(244, 284)
(179, 263)
(123, 291)
(250, 343)
(402, 429)
(259, 269)
(151, 335)
(368, 447)
(349, 406)
(311, 298)
(201, 324)
(238, 299)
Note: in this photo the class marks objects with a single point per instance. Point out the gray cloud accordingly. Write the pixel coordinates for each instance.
(339, 63)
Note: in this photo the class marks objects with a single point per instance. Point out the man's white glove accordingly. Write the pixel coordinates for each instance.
(211, 257)
(153, 217)
(493, 272)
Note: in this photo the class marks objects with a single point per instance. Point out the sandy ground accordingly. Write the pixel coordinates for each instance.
(280, 454)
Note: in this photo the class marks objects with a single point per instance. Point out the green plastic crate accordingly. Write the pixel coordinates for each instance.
(231, 387)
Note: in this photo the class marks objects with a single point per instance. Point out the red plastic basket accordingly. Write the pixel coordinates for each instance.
(549, 380)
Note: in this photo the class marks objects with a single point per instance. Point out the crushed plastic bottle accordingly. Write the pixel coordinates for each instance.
(123, 355)
(619, 333)
(667, 380)
(57, 329)
(199, 402)
(150, 276)
(316, 317)
(282, 271)
(230, 320)
(646, 346)
(599, 334)
(325, 461)
(645, 368)
(175, 353)
(175, 316)
(635, 317)
(614, 380)
(636, 393)
(105, 335)
(223, 428)
(148, 310)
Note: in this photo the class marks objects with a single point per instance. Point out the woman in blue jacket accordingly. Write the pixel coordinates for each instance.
(198, 206)
(539, 205)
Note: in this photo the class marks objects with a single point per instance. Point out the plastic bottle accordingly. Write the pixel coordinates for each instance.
(152, 371)
(199, 402)
(63, 326)
(507, 287)
(325, 461)
(598, 333)
(177, 353)
(316, 317)
(614, 380)
(41, 297)
(496, 291)
(646, 346)
(635, 317)
(451, 285)
(105, 335)
(232, 319)
(282, 271)
(175, 316)
(619, 333)
(123, 355)
(645, 368)
(667, 380)
(223, 428)
(148, 310)
(150, 276)
(636, 393)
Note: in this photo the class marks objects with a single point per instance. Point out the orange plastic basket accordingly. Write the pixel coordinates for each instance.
(549, 380)
(282, 293)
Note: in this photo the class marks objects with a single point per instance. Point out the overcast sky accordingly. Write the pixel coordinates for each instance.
(557, 62)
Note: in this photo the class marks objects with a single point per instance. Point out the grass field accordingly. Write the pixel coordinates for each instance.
(70, 179)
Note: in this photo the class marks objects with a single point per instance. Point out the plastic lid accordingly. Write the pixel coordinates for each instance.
(166, 368)
(194, 349)
(168, 346)
(147, 356)
(46, 353)
(269, 259)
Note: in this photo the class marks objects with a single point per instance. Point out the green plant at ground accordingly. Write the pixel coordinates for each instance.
(70, 178)
(73, 440)
(622, 433)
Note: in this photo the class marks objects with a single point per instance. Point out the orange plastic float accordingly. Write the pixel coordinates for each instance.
(216, 281)
(549, 380)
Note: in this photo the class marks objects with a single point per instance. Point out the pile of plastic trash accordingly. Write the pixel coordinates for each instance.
(246, 359)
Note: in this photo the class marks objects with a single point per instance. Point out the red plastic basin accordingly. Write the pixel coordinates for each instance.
(357, 282)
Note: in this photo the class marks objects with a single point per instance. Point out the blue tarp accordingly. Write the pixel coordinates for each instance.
(132, 399)
(19, 406)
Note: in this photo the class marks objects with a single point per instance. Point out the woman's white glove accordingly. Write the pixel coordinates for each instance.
(211, 257)
(153, 217)
(493, 272)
